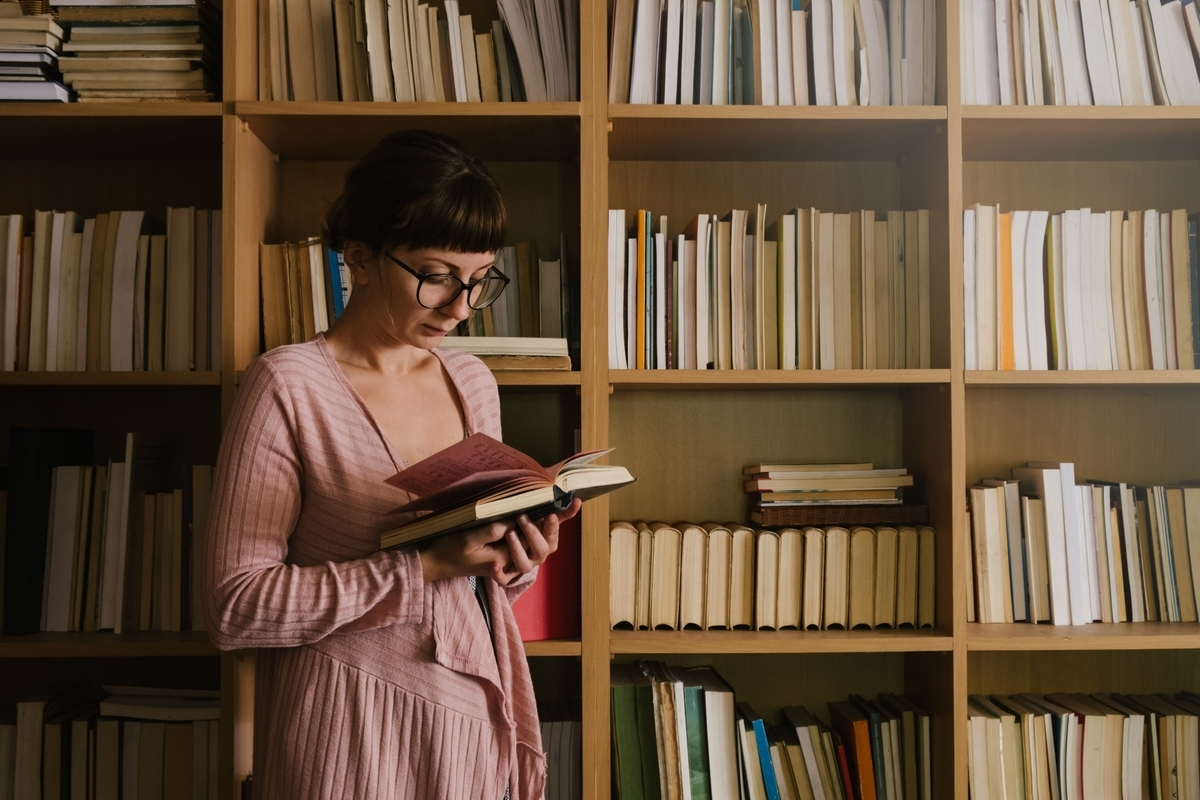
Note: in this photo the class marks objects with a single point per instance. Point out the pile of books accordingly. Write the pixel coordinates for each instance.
(1048, 550)
(118, 292)
(116, 546)
(681, 731)
(710, 576)
(29, 48)
(167, 50)
(86, 740)
(1095, 52)
(562, 741)
(409, 51)
(813, 290)
(1079, 745)
(1081, 289)
(513, 352)
(828, 494)
(719, 52)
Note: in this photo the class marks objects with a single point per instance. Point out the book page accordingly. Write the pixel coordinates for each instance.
(470, 464)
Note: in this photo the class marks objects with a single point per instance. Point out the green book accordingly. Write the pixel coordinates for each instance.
(696, 719)
(627, 753)
(644, 695)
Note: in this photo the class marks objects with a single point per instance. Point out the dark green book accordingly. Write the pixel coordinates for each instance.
(627, 753)
(647, 738)
(695, 718)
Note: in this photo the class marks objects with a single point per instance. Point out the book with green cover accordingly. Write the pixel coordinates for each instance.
(697, 734)
(647, 738)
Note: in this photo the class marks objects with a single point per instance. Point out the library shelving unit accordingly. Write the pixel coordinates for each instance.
(274, 166)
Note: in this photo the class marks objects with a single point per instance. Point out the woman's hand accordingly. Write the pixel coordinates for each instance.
(503, 551)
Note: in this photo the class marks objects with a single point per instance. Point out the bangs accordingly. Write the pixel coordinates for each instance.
(463, 215)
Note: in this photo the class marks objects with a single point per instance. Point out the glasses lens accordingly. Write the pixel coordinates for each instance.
(438, 290)
(486, 292)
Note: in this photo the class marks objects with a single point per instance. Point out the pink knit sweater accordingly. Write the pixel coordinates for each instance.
(370, 683)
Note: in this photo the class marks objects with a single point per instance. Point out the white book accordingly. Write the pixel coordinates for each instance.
(670, 63)
(1054, 80)
(821, 19)
(120, 335)
(1126, 51)
(875, 30)
(616, 289)
(1077, 553)
(643, 80)
(986, 284)
(53, 291)
(1152, 273)
(1066, 48)
(470, 63)
(1114, 73)
(706, 52)
(722, 52)
(987, 68)
(660, 297)
(783, 52)
(1035, 69)
(787, 293)
(842, 82)
(768, 58)
(1020, 225)
(1143, 58)
(914, 54)
(1005, 68)
(1101, 292)
(1082, 82)
(10, 260)
(1035, 245)
(457, 69)
(1092, 552)
(1096, 54)
(379, 61)
(85, 281)
(686, 340)
(703, 290)
(968, 57)
(1107, 266)
(1047, 484)
(1071, 291)
(687, 53)
(970, 318)
(1084, 278)
(1183, 65)
(1166, 290)
(399, 48)
(554, 51)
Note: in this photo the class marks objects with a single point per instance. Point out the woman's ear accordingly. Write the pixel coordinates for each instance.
(358, 258)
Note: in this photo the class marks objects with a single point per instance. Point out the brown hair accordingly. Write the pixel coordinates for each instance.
(418, 189)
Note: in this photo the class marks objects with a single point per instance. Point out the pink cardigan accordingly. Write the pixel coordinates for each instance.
(370, 683)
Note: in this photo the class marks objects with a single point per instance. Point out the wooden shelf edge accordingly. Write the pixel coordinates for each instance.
(110, 378)
(553, 647)
(1098, 636)
(100, 645)
(866, 114)
(1066, 377)
(1088, 113)
(291, 108)
(758, 379)
(134, 110)
(763, 642)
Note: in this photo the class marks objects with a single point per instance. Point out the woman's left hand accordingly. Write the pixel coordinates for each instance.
(529, 544)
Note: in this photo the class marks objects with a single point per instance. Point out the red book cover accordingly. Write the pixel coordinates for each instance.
(550, 608)
(844, 766)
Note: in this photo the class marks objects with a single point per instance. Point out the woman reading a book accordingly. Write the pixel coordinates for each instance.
(380, 674)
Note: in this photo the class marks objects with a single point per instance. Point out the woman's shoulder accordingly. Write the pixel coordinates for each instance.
(287, 366)
(467, 371)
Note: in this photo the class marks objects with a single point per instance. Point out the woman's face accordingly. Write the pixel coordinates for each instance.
(413, 323)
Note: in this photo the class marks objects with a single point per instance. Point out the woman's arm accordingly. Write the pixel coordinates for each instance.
(254, 598)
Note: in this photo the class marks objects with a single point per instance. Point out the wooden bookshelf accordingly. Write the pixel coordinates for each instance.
(273, 166)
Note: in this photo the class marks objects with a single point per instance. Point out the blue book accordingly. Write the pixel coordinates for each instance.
(764, 750)
(336, 286)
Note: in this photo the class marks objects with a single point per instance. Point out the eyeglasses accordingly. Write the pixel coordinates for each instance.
(439, 291)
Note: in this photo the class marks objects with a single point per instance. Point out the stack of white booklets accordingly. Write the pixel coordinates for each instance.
(1091, 52)
(759, 52)
(29, 48)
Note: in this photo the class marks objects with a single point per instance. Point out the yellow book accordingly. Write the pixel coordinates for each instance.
(1005, 294)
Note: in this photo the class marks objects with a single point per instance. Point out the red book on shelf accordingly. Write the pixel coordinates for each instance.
(550, 608)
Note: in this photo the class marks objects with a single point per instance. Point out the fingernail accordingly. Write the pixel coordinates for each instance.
(523, 519)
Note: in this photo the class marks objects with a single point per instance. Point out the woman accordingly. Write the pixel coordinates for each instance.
(393, 674)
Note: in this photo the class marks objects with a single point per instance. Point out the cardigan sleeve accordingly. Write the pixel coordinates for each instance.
(254, 598)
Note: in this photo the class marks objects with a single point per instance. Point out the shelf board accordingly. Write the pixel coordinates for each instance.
(110, 379)
(679, 642)
(114, 130)
(107, 645)
(337, 130)
(536, 377)
(553, 647)
(659, 379)
(1125, 636)
(770, 133)
(1066, 377)
(1079, 133)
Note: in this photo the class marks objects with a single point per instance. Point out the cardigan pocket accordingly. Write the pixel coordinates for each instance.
(531, 772)
(461, 641)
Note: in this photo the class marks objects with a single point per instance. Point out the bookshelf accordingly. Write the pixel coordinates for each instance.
(272, 167)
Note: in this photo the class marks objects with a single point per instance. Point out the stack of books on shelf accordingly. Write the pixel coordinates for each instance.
(1081, 289)
(710, 576)
(813, 290)
(513, 352)
(828, 494)
(29, 55)
(409, 51)
(86, 740)
(133, 51)
(1046, 549)
(773, 52)
(562, 741)
(117, 546)
(119, 292)
(1079, 745)
(1095, 52)
(680, 732)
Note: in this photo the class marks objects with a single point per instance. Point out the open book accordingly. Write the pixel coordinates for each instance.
(479, 480)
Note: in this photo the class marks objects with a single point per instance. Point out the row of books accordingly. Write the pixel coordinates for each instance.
(814, 290)
(305, 287)
(1080, 289)
(1094, 52)
(773, 52)
(116, 546)
(562, 742)
(1048, 550)
(130, 51)
(29, 55)
(118, 292)
(710, 576)
(682, 733)
(112, 741)
(1078, 745)
(541, 299)
(312, 50)
(784, 485)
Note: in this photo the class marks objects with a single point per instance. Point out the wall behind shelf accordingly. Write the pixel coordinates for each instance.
(97, 186)
(1123, 671)
(1098, 185)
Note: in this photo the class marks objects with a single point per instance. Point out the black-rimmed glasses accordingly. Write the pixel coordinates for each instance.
(439, 291)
